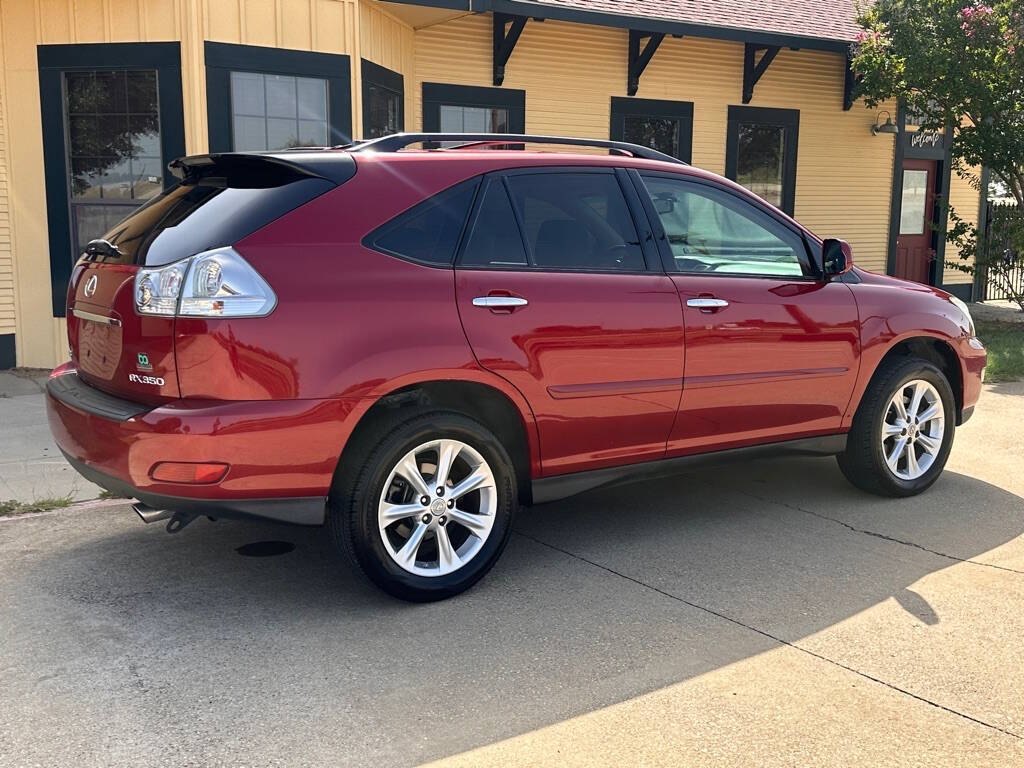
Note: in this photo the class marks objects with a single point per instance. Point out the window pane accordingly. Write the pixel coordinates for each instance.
(282, 132)
(281, 96)
(451, 119)
(473, 119)
(247, 94)
(428, 232)
(495, 240)
(312, 133)
(915, 195)
(759, 160)
(147, 177)
(660, 133)
(312, 98)
(250, 133)
(577, 221)
(142, 95)
(383, 110)
(92, 221)
(709, 230)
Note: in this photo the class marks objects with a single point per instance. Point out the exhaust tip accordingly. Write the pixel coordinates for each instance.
(150, 515)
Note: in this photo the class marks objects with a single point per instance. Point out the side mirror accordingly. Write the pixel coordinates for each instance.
(836, 257)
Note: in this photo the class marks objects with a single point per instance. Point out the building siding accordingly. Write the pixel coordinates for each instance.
(7, 303)
(389, 42)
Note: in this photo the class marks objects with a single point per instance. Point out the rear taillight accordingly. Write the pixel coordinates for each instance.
(218, 283)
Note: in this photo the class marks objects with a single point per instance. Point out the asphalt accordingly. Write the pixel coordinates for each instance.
(758, 614)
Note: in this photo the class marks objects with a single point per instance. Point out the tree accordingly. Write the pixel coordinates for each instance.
(957, 65)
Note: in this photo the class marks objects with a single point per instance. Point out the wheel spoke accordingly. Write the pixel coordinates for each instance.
(912, 466)
(392, 513)
(478, 478)
(893, 459)
(410, 471)
(407, 554)
(929, 443)
(901, 408)
(447, 558)
(476, 524)
(915, 400)
(447, 451)
(891, 430)
(933, 411)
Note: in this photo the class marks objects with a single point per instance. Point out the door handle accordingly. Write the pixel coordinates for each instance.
(500, 302)
(707, 304)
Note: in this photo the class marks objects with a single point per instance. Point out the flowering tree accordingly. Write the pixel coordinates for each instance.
(958, 64)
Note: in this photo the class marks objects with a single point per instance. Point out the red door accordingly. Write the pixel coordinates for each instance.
(914, 252)
(771, 350)
(557, 299)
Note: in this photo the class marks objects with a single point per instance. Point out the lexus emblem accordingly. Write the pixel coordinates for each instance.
(90, 287)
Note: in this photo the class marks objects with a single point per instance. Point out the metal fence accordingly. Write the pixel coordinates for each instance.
(1001, 220)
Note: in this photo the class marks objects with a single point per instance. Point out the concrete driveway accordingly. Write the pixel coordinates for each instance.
(761, 614)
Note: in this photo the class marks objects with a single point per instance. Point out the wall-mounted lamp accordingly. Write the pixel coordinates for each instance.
(887, 127)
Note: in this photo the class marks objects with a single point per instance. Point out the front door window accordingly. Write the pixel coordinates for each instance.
(113, 145)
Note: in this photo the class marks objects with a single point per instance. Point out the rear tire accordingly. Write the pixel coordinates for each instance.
(903, 430)
(426, 538)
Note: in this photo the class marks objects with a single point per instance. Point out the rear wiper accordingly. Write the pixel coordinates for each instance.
(100, 247)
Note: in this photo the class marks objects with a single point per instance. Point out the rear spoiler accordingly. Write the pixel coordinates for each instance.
(265, 169)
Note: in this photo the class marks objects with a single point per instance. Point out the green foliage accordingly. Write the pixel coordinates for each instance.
(953, 63)
(1005, 345)
(12, 507)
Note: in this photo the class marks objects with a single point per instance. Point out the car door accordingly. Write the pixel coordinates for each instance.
(557, 295)
(771, 348)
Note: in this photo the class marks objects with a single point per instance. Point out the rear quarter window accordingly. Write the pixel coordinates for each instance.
(429, 232)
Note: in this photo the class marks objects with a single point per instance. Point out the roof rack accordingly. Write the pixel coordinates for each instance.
(397, 141)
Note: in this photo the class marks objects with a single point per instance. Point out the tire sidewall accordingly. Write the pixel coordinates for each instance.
(900, 378)
(368, 547)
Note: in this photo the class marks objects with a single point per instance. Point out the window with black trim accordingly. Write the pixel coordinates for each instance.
(383, 100)
(112, 116)
(273, 98)
(761, 152)
(666, 126)
(495, 240)
(428, 232)
(712, 231)
(473, 109)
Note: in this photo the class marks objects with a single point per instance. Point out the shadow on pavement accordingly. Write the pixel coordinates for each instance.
(143, 642)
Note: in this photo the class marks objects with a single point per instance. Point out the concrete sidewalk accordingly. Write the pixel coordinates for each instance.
(31, 467)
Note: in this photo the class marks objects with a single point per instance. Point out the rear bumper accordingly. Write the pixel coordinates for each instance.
(281, 453)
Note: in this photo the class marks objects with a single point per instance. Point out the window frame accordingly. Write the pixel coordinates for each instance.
(53, 62)
(634, 206)
(436, 95)
(788, 119)
(385, 79)
(623, 107)
(811, 262)
(222, 59)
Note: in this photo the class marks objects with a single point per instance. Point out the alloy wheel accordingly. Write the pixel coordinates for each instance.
(437, 508)
(912, 429)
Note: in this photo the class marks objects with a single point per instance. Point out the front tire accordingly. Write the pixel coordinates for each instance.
(903, 430)
(430, 510)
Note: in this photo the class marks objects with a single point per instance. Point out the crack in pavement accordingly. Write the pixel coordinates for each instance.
(877, 535)
(770, 636)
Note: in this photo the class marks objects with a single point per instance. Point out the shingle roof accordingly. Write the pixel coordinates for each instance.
(824, 19)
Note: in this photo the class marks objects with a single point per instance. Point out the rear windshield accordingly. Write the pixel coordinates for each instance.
(210, 212)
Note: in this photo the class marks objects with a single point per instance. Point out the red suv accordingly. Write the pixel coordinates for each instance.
(406, 345)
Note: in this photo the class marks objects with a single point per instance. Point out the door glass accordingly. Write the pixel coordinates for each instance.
(113, 146)
(277, 111)
(495, 240)
(428, 232)
(576, 221)
(760, 160)
(383, 108)
(660, 133)
(915, 195)
(709, 230)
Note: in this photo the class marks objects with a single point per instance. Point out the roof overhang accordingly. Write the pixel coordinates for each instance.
(538, 10)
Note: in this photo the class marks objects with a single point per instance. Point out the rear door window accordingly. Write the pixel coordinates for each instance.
(576, 221)
(495, 240)
(429, 232)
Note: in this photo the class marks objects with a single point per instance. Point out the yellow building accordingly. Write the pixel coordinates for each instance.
(96, 96)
